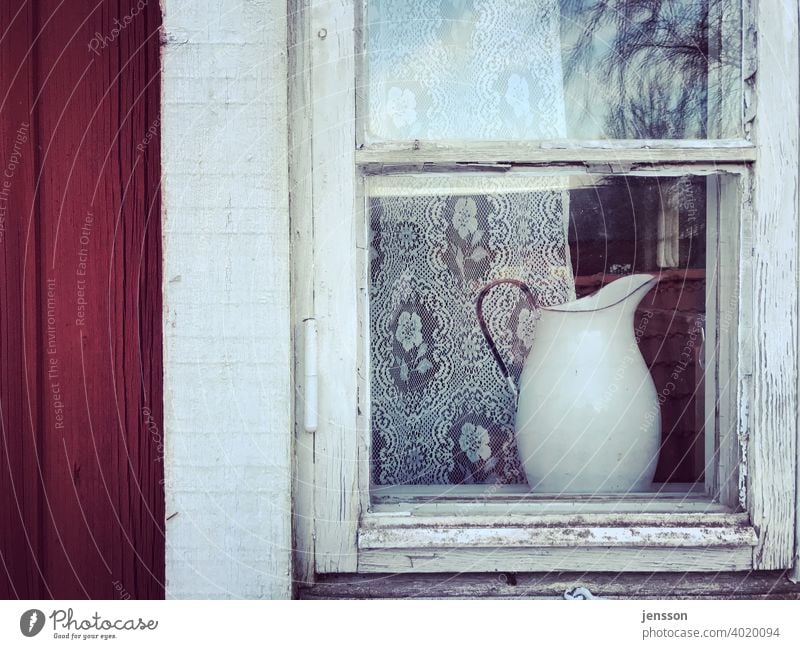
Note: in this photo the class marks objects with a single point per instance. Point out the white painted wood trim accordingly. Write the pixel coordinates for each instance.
(772, 429)
(554, 152)
(724, 349)
(226, 300)
(335, 280)
(384, 521)
(795, 573)
(456, 538)
(766, 395)
(302, 242)
(621, 507)
(707, 406)
(577, 559)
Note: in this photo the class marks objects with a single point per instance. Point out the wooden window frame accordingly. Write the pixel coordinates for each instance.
(336, 527)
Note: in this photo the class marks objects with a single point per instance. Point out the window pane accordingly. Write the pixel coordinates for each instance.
(442, 409)
(589, 69)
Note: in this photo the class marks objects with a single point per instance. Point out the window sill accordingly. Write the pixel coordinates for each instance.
(725, 585)
(599, 542)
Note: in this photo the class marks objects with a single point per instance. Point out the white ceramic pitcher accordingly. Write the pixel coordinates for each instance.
(588, 417)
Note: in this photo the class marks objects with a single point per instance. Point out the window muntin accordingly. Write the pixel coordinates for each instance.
(551, 69)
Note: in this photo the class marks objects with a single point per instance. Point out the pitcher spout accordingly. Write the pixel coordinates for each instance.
(625, 292)
(629, 290)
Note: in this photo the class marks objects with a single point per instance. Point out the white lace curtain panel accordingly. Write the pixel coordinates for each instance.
(442, 412)
(459, 69)
(464, 69)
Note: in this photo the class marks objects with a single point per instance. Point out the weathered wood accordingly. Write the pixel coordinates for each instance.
(724, 363)
(707, 406)
(335, 284)
(795, 574)
(513, 585)
(523, 536)
(772, 451)
(555, 559)
(565, 507)
(372, 521)
(302, 242)
(614, 152)
(362, 81)
(364, 420)
(745, 406)
(363, 248)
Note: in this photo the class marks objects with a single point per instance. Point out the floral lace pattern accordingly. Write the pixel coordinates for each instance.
(441, 411)
(482, 69)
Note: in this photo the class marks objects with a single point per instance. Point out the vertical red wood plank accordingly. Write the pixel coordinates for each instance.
(138, 276)
(20, 494)
(80, 328)
(99, 85)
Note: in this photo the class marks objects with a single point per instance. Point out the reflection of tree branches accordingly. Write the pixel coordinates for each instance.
(652, 57)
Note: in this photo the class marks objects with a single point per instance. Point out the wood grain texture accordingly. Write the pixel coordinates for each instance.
(372, 521)
(93, 381)
(772, 461)
(511, 585)
(795, 573)
(555, 559)
(302, 241)
(723, 349)
(524, 536)
(335, 282)
(619, 152)
(20, 486)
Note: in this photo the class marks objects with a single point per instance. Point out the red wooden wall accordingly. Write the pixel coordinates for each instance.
(81, 466)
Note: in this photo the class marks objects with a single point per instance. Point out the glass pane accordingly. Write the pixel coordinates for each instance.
(612, 415)
(589, 69)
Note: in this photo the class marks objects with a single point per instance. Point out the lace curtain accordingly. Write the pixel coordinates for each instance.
(464, 69)
(442, 412)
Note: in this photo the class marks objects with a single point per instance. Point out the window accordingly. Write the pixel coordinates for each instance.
(526, 156)
(441, 409)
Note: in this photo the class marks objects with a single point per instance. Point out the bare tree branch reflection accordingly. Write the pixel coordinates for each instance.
(649, 61)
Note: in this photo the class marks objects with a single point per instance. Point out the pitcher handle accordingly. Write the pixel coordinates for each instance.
(485, 330)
